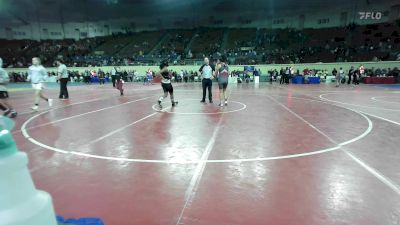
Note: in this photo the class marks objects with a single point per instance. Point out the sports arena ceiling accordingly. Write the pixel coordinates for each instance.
(94, 10)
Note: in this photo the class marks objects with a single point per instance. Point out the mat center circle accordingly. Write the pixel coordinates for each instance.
(191, 106)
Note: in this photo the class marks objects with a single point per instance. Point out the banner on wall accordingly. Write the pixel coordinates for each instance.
(249, 68)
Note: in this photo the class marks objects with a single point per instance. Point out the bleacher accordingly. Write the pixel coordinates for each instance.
(12, 50)
(113, 44)
(207, 41)
(241, 38)
(376, 40)
(177, 42)
(141, 43)
(245, 45)
(333, 37)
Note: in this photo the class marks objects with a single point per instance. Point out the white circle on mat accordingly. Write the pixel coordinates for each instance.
(243, 106)
(315, 152)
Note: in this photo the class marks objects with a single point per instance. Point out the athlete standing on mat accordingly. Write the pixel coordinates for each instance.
(36, 76)
(222, 72)
(4, 104)
(207, 72)
(119, 83)
(166, 84)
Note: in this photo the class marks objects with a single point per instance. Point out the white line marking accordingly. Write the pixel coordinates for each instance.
(61, 107)
(364, 134)
(392, 185)
(30, 103)
(120, 129)
(199, 170)
(361, 113)
(382, 118)
(370, 114)
(84, 114)
(41, 144)
(302, 119)
(370, 169)
(124, 127)
(372, 107)
(120, 159)
(211, 113)
(378, 100)
(198, 173)
(77, 103)
(26, 135)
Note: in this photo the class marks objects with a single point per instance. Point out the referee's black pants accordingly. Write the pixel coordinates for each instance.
(113, 79)
(63, 88)
(207, 84)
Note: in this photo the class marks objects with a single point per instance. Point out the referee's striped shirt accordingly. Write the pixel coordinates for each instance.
(206, 71)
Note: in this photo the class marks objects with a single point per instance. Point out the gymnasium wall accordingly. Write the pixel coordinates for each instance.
(56, 31)
(264, 68)
(305, 18)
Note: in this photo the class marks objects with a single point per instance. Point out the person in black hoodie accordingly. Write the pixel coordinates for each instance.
(102, 76)
(282, 74)
(356, 76)
(334, 73)
(350, 74)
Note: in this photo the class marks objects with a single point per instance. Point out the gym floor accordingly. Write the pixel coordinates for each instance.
(295, 154)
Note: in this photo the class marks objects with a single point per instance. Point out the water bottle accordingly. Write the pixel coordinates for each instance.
(20, 202)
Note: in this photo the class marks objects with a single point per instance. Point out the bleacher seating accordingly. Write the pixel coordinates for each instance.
(333, 37)
(351, 43)
(113, 44)
(177, 42)
(241, 38)
(141, 43)
(207, 41)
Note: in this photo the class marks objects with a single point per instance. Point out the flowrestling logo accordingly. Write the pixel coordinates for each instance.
(370, 15)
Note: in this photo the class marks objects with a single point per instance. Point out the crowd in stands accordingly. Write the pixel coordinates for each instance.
(88, 76)
(307, 72)
(284, 75)
(176, 44)
(242, 46)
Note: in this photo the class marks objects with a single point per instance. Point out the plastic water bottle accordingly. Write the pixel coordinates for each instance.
(20, 202)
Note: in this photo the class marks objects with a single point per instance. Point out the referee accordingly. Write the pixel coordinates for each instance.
(114, 75)
(63, 77)
(207, 72)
